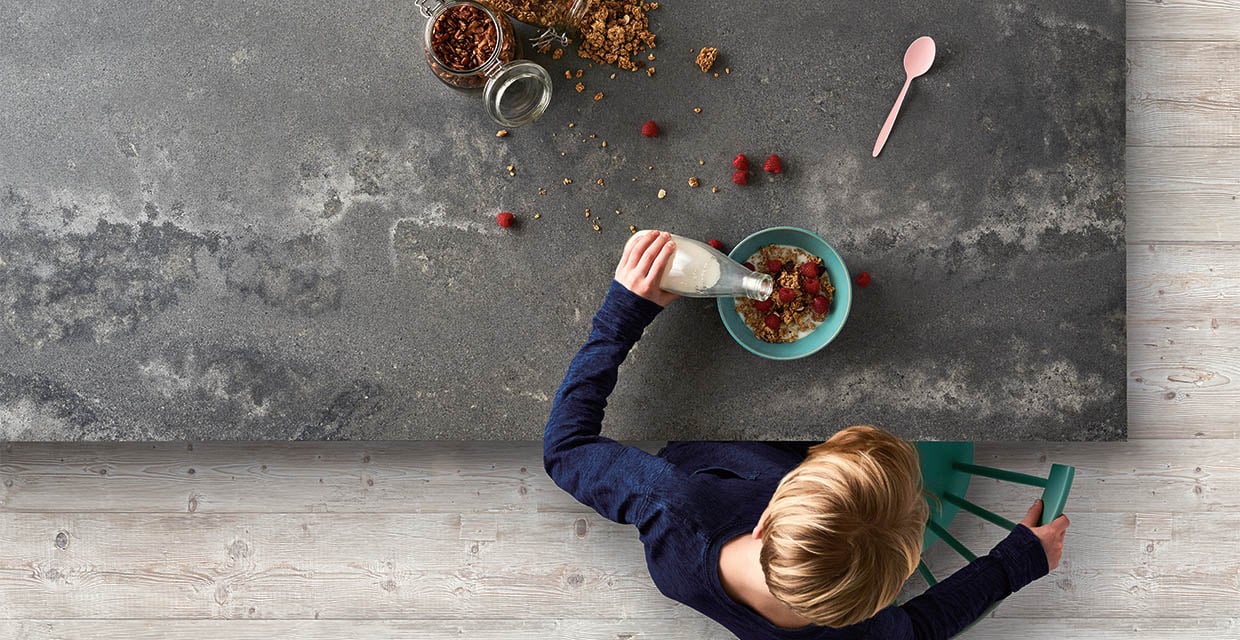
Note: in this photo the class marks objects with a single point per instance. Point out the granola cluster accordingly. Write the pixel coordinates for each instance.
(801, 300)
(706, 58)
(615, 31)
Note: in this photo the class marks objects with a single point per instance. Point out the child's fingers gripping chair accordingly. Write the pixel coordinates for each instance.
(947, 467)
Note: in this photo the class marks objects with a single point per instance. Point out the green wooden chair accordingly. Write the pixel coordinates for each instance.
(947, 467)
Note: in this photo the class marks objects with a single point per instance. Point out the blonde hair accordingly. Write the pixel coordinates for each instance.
(844, 529)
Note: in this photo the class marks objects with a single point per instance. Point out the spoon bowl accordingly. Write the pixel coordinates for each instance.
(919, 57)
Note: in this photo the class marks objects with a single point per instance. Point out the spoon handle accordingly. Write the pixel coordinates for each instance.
(891, 120)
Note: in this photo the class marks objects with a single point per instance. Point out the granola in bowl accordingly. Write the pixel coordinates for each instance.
(801, 300)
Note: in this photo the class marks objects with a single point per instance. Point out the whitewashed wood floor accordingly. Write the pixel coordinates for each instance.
(465, 540)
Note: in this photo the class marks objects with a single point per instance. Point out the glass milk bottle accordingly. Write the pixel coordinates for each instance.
(697, 270)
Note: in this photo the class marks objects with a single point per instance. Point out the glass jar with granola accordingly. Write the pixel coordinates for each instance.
(468, 45)
(607, 31)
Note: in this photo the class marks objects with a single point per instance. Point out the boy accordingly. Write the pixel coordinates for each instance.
(771, 540)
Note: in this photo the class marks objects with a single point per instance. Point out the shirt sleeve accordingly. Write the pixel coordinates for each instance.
(945, 609)
(613, 479)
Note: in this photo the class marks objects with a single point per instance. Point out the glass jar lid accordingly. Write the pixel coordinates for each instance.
(517, 93)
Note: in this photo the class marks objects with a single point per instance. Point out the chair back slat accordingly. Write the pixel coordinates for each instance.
(925, 573)
(984, 514)
(951, 541)
(1000, 474)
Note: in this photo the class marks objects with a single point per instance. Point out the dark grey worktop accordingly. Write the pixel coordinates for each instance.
(267, 220)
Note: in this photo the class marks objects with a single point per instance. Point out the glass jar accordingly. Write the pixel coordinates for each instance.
(559, 18)
(515, 91)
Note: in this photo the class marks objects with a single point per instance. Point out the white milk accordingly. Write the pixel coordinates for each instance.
(694, 268)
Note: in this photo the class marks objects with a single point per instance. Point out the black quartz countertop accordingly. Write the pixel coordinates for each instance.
(268, 220)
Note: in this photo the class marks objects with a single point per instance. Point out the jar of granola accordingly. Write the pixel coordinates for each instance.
(607, 31)
(558, 17)
(469, 46)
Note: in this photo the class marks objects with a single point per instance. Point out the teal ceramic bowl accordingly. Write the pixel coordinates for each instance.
(821, 336)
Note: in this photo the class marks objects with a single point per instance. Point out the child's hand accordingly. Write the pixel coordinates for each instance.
(1051, 535)
(641, 266)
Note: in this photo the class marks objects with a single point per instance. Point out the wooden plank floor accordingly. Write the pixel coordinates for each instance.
(435, 540)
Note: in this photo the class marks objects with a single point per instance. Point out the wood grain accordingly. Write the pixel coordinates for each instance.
(577, 629)
(1186, 282)
(299, 566)
(1183, 20)
(1183, 195)
(1184, 377)
(1183, 94)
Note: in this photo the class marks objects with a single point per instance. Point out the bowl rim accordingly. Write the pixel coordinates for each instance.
(846, 310)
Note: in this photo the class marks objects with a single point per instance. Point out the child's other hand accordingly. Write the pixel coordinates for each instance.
(1050, 535)
(641, 266)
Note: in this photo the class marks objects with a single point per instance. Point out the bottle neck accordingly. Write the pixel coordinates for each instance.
(758, 286)
(577, 12)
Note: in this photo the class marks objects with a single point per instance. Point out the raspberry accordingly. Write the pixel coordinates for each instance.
(716, 245)
(740, 177)
(811, 286)
(650, 129)
(809, 270)
(505, 219)
(764, 305)
(786, 295)
(820, 305)
(774, 266)
(863, 279)
(773, 164)
(772, 321)
(748, 265)
(740, 162)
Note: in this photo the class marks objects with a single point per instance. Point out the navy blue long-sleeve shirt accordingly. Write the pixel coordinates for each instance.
(692, 497)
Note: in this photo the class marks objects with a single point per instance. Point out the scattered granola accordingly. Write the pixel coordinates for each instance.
(568, 180)
(604, 145)
(557, 54)
(587, 213)
(693, 182)
(615, 31)
(568, 75)
(706, 58)
(650, 72)
(697, 109)
(537, 216)
(802, 298)
(571, 125)
(512, 170)
(662, 193)
(598, 96)
(578, 74)
(600, 182)
(632, 228)
(581, 86)
(714, 189)
(542, 191)
(501, 133)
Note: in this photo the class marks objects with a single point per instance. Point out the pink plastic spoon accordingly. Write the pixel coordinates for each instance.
(917, 61)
